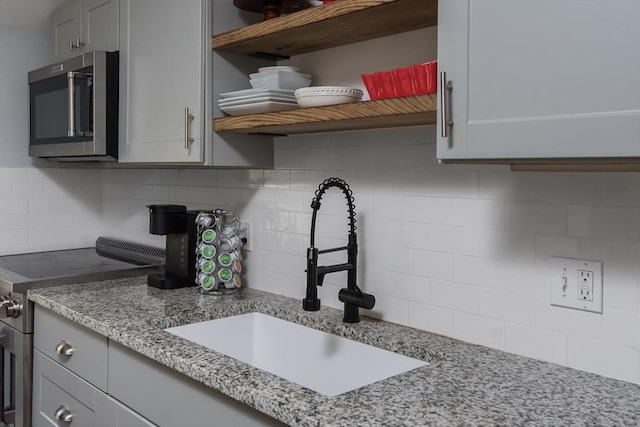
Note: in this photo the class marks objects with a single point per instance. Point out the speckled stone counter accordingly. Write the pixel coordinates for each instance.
(463, 384)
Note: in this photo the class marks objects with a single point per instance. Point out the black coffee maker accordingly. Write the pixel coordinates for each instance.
(179, 225)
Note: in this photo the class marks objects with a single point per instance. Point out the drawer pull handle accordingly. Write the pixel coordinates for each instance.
(64, 414)
(64, 348)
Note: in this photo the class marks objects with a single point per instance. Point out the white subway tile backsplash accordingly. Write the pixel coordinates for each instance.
(621, 292)
(455, 240)
(569, 187)
(621, 258)
(459, 250)
(622, 327)
(512, 307)
(604, 222)
(529, 341)
(538, 218)
(479, 330)
(437, 265)
(480, 213)
(504, 185)
(602, 358)
(427, 317)
(621, 189)
(454, 296)
(567, 247)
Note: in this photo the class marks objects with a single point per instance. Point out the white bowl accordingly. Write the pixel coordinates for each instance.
(279, 67)
(279, 73)
(290, 82)
(318, 96)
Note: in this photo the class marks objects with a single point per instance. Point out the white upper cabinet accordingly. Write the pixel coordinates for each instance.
(540, 79)
(169, 79)
(84, 26)
(163, 57)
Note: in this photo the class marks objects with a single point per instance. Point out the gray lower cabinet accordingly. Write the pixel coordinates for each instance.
(61, 398)
(101, 383)
(169, 398)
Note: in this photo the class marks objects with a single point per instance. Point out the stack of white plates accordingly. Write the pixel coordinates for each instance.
(255, 101)
(280, 77)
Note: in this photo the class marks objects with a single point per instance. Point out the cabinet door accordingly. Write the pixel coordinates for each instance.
(66, 28)
(100, 25)
(118, 415)
(58, 392)
(162, 55)
(540, 79)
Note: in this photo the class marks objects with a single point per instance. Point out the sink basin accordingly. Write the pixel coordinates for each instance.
(323, 362)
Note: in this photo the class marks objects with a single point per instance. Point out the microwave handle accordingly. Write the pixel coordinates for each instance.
(71, 98)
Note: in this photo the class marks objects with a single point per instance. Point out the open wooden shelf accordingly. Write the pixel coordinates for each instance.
(383, 113)
(334, 24)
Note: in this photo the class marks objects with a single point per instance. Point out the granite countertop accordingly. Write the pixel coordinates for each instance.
(463, 384)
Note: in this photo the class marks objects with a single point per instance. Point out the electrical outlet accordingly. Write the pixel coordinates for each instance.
(245, 232)
(576, 284)
(585, 285)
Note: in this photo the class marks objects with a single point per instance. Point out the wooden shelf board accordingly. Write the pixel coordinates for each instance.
(334, 24)
(383, 113)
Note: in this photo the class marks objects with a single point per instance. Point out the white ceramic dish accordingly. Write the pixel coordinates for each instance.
(257, 91)
(279, 73)
(252, 100)
(284, 81)
(258, 107)
(279, 67)
(319, 96)
(329, 364)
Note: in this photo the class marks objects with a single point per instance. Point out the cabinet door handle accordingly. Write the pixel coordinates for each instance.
(71, 45)
(188, 118)
(64, 348)
(445, 93)
(64, 414)
(79, 43)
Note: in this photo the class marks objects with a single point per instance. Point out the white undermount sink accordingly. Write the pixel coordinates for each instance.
(323, 362)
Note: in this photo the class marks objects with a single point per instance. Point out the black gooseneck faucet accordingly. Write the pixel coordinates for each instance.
(351, 296)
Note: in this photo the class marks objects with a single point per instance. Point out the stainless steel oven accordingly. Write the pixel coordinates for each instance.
(18, 273)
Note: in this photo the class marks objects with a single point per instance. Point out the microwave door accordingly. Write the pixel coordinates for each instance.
(62, 109)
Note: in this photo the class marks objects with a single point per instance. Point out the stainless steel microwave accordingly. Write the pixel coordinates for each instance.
(74, 109)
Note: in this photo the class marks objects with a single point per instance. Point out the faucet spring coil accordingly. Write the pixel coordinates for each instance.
(348, 194)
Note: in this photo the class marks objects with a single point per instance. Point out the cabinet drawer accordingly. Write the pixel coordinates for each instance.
(53, 334)
(57, 389)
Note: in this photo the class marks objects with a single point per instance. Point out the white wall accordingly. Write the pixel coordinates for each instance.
(40, 208)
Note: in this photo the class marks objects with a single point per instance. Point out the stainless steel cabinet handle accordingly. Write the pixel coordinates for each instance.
(79, 43)
(71, 45)
(188, 118)
(64, 414)
(445, 92)
(64, 348)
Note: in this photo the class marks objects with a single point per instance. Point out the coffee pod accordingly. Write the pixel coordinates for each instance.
(205, 281)
(207, 251)
(237, 281)
(206, 220)
(237, 266)
(208, 235)
(225, 274)
(206, 266)
(225, 259)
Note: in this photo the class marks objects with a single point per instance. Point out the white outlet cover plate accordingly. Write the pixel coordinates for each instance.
(567, 269)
